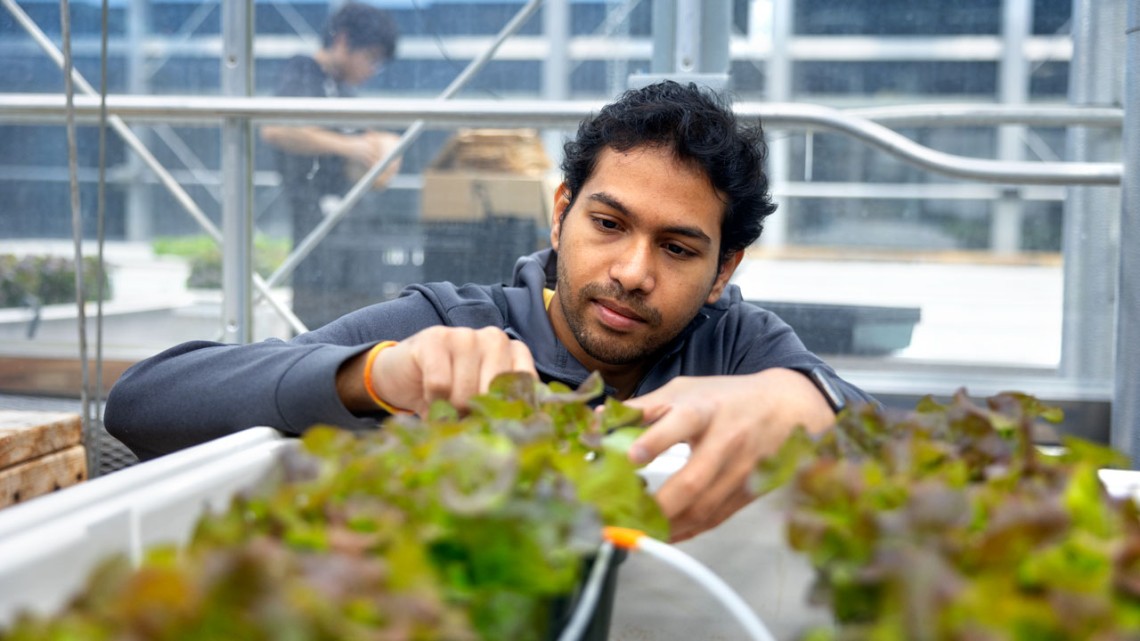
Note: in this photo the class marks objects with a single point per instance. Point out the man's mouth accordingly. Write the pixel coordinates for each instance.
(618, 316)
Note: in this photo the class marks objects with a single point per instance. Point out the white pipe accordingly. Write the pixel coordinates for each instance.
(715, 586)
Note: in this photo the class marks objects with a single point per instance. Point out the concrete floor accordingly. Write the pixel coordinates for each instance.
(655, 602)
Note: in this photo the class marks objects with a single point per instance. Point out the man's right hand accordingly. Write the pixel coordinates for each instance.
(449, 363)
(367, 149)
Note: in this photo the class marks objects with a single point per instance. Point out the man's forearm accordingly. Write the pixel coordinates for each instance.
(198, 391)
(308, 141)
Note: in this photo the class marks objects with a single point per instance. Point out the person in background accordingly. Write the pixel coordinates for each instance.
(319, 164)
(662, 193)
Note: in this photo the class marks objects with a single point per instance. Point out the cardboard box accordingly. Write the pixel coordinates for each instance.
(483, 173)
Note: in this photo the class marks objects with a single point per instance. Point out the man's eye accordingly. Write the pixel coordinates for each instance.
(678, 250)
(606, 223)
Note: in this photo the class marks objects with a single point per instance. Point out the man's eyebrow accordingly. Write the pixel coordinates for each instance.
(681, 230)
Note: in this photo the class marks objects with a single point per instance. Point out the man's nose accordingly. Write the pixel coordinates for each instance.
(635, 269)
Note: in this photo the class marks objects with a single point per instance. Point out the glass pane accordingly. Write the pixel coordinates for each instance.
(971, 272)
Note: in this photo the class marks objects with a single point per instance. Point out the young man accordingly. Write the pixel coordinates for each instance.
(662, 193)
(316, 163)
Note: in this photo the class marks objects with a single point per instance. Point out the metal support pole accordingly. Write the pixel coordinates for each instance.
(1126, 395)
(617, 24)
(664, 37)
(690, 43)
(687, 53)
(1017, 22)
(140, 212)
(556, 65)
(1090, 226)
(778, 88)
(237, 168)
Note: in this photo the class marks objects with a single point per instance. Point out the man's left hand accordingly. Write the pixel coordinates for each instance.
(730, 423)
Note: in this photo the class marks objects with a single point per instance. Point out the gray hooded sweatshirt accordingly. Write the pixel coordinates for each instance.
(201, 390)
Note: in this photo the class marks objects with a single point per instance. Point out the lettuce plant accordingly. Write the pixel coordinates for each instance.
(947, 523)
(472, 526)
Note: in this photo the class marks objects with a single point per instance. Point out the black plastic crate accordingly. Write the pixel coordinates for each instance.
(365, 261)
(848, 329)
(482, 252)
(357, 265)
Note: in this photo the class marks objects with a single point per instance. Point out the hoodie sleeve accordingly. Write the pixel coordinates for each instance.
(201, 390)
(198, 391)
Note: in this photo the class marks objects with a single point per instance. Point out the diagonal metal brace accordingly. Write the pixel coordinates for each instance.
(147, 157)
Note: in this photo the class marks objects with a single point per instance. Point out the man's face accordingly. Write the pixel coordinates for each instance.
(637, 256)
(355, 66)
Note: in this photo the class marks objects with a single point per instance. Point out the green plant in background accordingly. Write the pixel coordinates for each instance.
(949, 524)
(27, 281)
(205, 257)
(454, 527)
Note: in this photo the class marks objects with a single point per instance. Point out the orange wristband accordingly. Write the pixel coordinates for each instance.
(368, 362)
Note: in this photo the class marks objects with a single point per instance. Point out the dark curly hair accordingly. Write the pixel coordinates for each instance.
(365, 27)
(699, 127)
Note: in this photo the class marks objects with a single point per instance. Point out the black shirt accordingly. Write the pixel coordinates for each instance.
(303, 174)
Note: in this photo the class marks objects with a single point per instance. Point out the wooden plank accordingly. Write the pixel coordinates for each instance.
(27, 434)
(53, 376)
(42, 475)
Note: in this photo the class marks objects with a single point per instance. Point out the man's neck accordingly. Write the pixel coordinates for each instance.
(623, 378)
(325, 62)
(625, 383)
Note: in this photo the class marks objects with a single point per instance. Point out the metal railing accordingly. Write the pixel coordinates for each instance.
(865, 125)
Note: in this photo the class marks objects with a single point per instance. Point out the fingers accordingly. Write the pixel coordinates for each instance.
(700, 489)
(716, 468)
(455, 363)
(711, 485)
(669, 424)
(365, 152)
(690, 524)
(521, 358)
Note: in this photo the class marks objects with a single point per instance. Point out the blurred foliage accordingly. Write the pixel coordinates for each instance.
(27, 281)
(455, 527)
(948, 524)
(205, 257)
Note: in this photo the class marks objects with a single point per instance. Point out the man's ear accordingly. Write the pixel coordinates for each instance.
(731, 262)
(561, 203)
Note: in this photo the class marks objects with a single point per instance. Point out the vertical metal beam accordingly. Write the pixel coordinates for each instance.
(556, 66)
(1126, 396)
(140, 213)
(1091, 222)
(664, 36)
(1017, 23)
(237, 168)
(690, 43)
(715, 33)
(687, 52)
(778, 88)
(617, 24)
